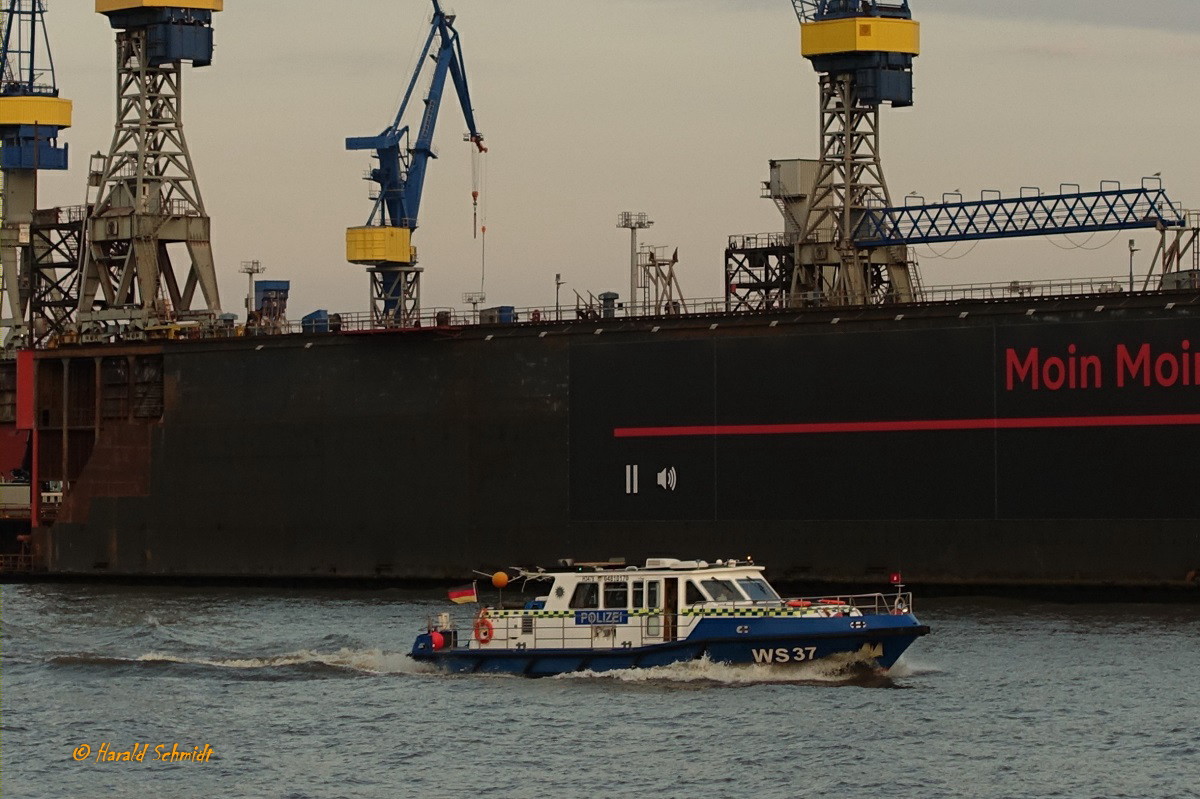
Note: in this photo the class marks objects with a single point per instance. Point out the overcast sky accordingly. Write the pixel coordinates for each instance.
(672, 107)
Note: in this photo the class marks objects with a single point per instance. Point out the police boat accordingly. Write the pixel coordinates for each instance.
(606, 616)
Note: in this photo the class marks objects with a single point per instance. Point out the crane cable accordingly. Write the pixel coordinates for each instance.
(1071, 245)
(947, 256)
(1084, 246)
(476, 168)
(478, 188)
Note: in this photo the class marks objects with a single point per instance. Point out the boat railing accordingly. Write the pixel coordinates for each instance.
(534, 629)
(867, 604)
(564, 633)
(520, 630)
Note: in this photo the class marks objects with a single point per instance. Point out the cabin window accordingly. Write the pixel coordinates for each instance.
(758, 590)
(723, 590)
(616, 595)
(587, 595)
(639, 594)
(693, 595)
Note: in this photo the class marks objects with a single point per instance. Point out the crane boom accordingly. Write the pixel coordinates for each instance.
(806, 10)
(403, 162)
(403, 154)
(1111, 208)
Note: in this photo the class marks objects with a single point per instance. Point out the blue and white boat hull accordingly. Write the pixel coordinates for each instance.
(879, 640)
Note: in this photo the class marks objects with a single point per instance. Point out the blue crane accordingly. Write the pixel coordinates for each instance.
(403, 153)
(31, 112)
(31, 117)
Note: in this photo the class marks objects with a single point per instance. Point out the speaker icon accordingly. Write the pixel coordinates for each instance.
(668, 479)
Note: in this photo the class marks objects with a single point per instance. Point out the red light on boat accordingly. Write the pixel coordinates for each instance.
(896, 578)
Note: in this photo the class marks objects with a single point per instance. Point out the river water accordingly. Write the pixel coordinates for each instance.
(309, 694)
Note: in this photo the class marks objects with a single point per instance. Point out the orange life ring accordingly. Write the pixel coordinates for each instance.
(484, 631)
(799, 603)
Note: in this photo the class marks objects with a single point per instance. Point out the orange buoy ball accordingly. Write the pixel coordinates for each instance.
(500, 579)
(437, 640)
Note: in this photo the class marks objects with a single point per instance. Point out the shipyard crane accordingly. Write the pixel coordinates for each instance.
(846, 242)
(32, 114)
(384, 244)
(863, 51)
(146, 193)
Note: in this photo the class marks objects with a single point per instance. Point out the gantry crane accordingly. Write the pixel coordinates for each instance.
(146, 193)
(31, 117)
(864, 51)
(846, 243)
(384, 244)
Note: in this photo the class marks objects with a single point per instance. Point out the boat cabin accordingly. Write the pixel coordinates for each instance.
(614, 605)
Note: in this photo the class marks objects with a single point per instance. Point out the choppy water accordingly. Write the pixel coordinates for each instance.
(310, 695)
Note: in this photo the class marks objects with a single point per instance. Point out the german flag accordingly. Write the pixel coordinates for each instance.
(464, 595)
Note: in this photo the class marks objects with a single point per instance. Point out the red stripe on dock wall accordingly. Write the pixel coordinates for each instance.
(25, 384)
(908, 426)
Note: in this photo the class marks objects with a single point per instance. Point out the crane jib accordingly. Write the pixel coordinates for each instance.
(403, 157)
(403, 151)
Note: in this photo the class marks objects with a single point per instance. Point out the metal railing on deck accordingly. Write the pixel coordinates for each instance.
(436, 318)
(442, 318)
(517, 629)
(1017, 289)
(868, 604)
(16, 564)
(762, 241)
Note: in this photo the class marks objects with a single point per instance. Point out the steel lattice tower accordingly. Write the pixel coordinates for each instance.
(864, 52)
(31, 117)
(146, 193)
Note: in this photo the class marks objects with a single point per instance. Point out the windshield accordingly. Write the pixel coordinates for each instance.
(758, 589)
(587, 595)
(723, 590)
